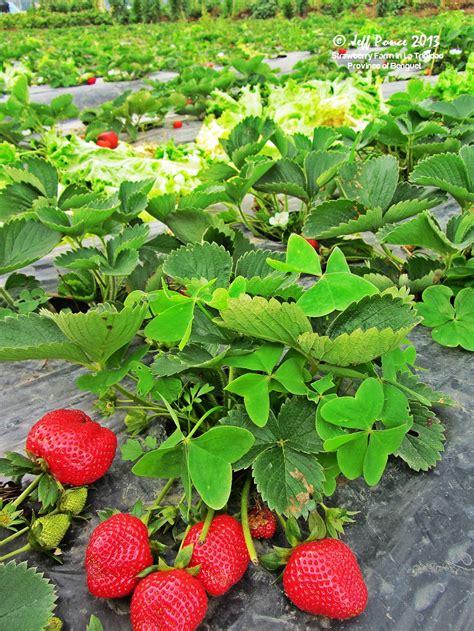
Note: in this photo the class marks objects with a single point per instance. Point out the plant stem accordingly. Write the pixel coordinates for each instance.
(282, 522)
(185, 534)
(245, 221)
(27, 491)
(244, 516)
(157, 503)
(207, 525)
(204, 417)
(395, 259)
(25, 548)
(7, 297)
(131, 396)
(13, 536)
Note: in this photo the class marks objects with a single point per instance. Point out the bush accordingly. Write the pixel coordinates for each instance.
(67, 6)
(119, 10)
(264, 9)
(389, 7)
(288, 9)
(43, 19)
(302, 7)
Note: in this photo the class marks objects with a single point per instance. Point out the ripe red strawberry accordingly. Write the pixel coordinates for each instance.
(103, 143)
(189, 101)
(177, 124)
(313, 242)
(342, 51)
(168, 601)
(324, 578)
(223, 556)
(76, 449)
(110, 137)
(118, 550)
(91, 80)
(262, 523)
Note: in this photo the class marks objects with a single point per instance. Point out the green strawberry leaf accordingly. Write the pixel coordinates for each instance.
(422, 446)
(34, 336)
(210, 459)
(422, 231)
(102, 331)
(207, 261)
(24, 241)
(265, 319)
(283, 457)
(372, 183)
(24, 590)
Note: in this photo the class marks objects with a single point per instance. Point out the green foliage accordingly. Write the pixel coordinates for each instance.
(23, 589)
(24, 241)
(452, 324)
(365, 451)
(205, 462)
(283, 457)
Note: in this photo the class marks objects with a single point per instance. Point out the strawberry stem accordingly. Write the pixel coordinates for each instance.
(244, 516)
(206, 526)
(14, 536)
(27, 491)
(157, 503)
(25, 548)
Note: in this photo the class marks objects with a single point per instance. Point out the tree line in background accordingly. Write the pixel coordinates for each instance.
(151, 11)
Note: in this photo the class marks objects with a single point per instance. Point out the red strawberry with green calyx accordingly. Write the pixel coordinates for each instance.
(323, 578)
(171, 600)
(118, 550)
(223, 557)
(76, 449)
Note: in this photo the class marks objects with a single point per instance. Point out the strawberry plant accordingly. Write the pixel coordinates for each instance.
(253, 378)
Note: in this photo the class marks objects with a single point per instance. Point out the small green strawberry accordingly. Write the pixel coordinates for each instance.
(47, 532)
(73, 501)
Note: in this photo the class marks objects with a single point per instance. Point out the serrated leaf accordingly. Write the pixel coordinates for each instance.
(422, 231)
(16, 199)
(82, 259)
(372, 183)
(351, 349)
(266, 319)
(36, 337)
(254, 264)
(376, 311)
(200, 260)
(285, 177)
(340, 217)
(101, 331)
(24, 590)
(24, 241)
(189, 226)
(285, 467)
(446, 171)
(422, 446)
